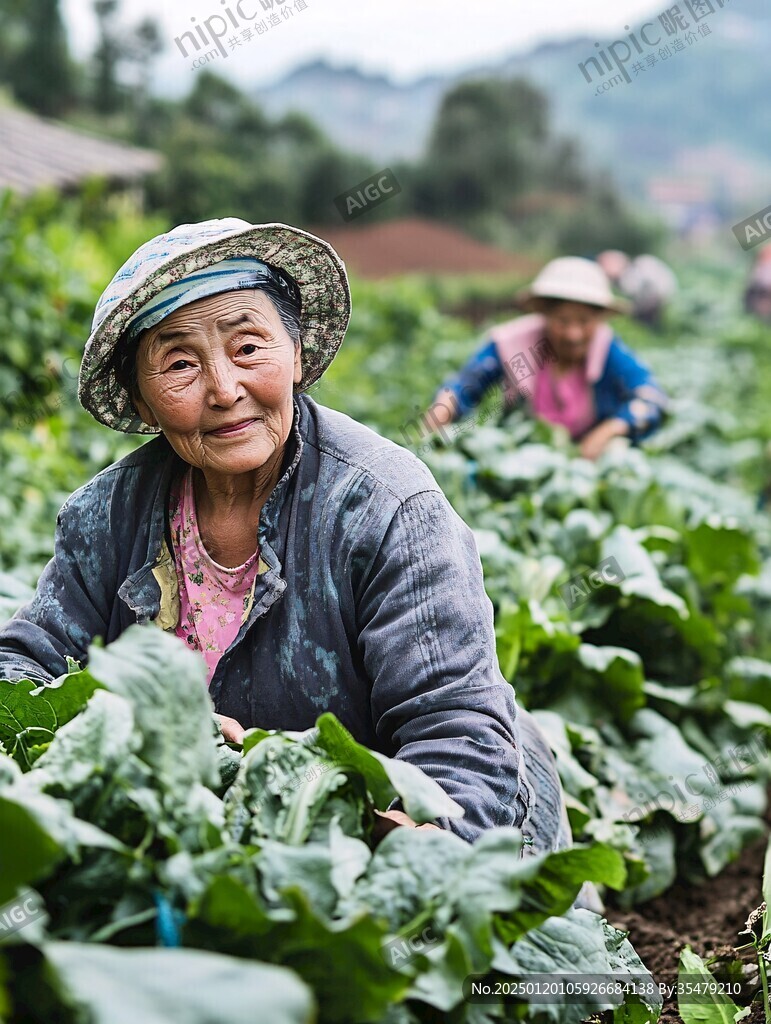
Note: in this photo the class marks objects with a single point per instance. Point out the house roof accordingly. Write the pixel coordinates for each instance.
(36, 153)
(415, 245)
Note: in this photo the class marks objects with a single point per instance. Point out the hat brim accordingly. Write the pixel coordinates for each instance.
(530, 302)
(313, 263)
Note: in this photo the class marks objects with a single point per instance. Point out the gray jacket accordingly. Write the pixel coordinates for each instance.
(370, 604)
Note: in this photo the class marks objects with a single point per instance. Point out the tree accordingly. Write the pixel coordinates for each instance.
(485, 147)
(143, 45)
(215, 102)
(107, 93)
(326, 175)
(34, 55)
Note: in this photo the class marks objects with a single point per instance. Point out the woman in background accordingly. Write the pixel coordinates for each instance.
(564, 361)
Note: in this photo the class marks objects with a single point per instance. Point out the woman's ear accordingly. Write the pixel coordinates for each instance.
(298, 365)
(143, 409)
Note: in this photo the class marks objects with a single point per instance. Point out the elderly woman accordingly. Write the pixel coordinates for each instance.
(312, 564)
(563, 361)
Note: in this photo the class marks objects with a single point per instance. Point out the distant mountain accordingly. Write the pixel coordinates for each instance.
(364, 113)
(709, 92)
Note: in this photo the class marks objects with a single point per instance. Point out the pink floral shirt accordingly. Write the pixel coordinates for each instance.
(213, 599)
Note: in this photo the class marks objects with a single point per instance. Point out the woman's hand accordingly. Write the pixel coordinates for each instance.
(595, 442)
(442, 412)
(387, 821)
(232, 730)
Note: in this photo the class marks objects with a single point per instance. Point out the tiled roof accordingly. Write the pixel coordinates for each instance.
(415, 245)
(35, 153)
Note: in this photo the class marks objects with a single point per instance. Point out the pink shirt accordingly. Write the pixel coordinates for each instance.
(214, 600)
(565, 400)
(528, 370)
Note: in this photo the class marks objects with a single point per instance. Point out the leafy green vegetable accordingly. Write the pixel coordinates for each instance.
(123, 986)
(127, 848)
(30, 714)
(700, 999)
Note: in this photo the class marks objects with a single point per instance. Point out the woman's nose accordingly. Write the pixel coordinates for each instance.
(575, 335)
(224, 386)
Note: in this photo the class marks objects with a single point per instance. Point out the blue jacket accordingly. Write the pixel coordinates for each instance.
(370, 604)
(625, 390)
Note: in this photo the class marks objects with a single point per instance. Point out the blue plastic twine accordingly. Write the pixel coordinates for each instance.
(168, 922)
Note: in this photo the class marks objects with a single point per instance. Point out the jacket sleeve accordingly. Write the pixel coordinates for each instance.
(67, 610)
(472, 382)
(438, 698)
(637, 397)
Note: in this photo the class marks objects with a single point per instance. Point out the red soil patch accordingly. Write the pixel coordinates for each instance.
(419, 246)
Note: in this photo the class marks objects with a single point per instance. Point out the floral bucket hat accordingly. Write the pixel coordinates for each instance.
(168, 258)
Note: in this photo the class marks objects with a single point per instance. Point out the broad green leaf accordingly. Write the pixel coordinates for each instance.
(165, 684)
(342, 961)
(632, 557)
(307, 867)
(619, 675)
(19, 713)
(575, 778)
(186, 986)
(44, 832)
(657, 846)
(34, 850)
(350, 859)
(681, 696)
(411, 871)
(750, 680)
(718, 553)
(441, 973)
(552, 882)
(725, 831)
(95, 743)
(706, 1005)
(506, 474)
(767, 891)
(423, 798)
(286, 790)
(576, 944)
(30, 714)
(642, 579)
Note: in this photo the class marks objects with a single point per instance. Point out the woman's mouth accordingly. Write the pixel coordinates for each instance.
(233, 428)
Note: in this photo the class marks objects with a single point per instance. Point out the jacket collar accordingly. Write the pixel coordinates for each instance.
(271, 510)
(152, 591)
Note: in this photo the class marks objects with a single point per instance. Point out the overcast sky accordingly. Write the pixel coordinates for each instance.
(403, 38)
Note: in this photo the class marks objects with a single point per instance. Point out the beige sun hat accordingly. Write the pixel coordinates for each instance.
(572, 279)
(167, 258)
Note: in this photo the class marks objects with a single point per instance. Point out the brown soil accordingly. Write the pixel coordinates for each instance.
(708, 918)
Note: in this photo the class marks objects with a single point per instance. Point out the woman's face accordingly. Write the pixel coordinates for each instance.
(570, 327)
(216, 376)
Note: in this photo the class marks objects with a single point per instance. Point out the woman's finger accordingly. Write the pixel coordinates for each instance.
(232, 730)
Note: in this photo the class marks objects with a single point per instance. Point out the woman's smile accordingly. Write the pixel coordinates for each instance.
(234, 428)
(217, 376)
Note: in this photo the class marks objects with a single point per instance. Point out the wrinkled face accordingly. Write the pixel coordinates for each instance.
(217, 377)
(570, 327)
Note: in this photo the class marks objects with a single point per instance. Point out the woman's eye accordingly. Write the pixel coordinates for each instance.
(181, 364)
(249, 349)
